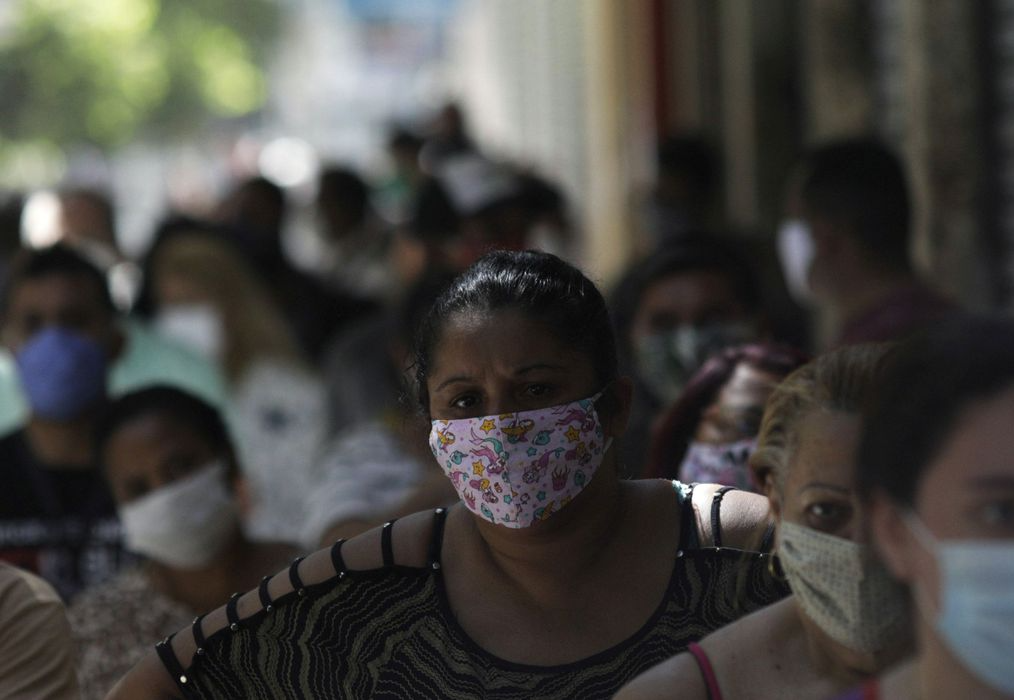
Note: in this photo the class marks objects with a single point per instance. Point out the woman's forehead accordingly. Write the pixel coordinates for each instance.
(507, 338)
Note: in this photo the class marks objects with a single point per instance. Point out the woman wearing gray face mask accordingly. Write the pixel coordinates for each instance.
(847, 619)
(170, 466)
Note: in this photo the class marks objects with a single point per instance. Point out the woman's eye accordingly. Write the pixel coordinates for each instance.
(537, 389)
(998, 514)
(827, 516)
(465, 401)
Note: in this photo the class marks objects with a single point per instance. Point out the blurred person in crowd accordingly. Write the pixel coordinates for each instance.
(845, 244)
(178, 486)
(362, 385)
(447, 138)
(847, 618)
(550, 228)
(87, 216)
(552, 577)
(710, 432)
(935, 466)
(395, 194)
(57, 517)
(253, 216)
(36, 646)
(203, 294)
(673, 310)
(11, 206)
(359, 242)
(379, 466)
(686, 195)
(488, 197)
(87, 223)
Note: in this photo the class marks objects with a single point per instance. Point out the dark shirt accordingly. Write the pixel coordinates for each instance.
(904, 312)
(55, 520)
(391, 633)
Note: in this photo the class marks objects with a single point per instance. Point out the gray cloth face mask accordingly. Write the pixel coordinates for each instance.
(843, 587)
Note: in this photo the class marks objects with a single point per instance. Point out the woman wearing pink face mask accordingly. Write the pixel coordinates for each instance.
(709, 433)
(551, 578)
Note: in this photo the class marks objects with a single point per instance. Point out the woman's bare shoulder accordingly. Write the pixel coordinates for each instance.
(678, 677)
(744, 516)
(409, 540)
(147, 679)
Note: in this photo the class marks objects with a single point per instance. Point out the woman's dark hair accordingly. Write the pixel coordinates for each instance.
(60, 260)
(697, 252)
(179, 406)
(675, 429)
(925, 387)
(540, 285)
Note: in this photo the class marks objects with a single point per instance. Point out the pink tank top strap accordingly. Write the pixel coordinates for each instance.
(701, 657)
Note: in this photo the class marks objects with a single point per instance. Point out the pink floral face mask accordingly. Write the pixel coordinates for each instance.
(516, 469)
(726, 464)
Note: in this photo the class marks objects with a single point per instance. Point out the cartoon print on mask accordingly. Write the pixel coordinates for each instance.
(517, 431)
(495, 457)
(514, 461)
(445, 438)
(538, 467)
(560, 478)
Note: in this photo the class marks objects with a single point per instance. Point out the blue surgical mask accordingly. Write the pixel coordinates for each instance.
(62, 373)
(976, 616)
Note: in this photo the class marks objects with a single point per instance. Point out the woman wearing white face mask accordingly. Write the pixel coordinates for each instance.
(936, 461)
(171, 468)
(205, 296)
(551, 578)
(847, 618)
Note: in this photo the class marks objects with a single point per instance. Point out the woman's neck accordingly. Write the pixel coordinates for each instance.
(938, 675)
(65, 445)
(551, 555)
(834, 660)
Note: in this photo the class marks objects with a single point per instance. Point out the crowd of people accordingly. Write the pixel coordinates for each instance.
(445, 463)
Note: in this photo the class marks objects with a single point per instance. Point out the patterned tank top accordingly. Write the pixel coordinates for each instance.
(390, 633)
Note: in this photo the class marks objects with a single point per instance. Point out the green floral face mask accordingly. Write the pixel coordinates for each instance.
(667, 360)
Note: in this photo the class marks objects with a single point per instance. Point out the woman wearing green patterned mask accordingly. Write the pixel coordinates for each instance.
(846, 619)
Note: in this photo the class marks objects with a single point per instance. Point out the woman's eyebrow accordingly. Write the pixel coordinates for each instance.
(453, 380)
(537, 366)
(825, 486)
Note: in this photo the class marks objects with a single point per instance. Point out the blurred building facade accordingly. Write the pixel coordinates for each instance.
(583, 88)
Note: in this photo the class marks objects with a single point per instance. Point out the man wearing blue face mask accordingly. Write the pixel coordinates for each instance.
(56, 515)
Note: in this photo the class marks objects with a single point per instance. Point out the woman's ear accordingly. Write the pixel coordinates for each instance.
(774, 498)
(891, 537)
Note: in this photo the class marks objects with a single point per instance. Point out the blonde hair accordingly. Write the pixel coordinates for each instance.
(841, 380)
(254, 327)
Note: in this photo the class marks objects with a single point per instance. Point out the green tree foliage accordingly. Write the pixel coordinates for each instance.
(104, 72)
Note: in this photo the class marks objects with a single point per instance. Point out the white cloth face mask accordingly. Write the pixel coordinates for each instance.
(198, 327)
(184, 524)
(976, 616)
(843, 587)
(796, 252)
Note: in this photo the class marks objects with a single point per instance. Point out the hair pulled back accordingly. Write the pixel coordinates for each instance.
(925, 388)
(842, 380)
(540, 285)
